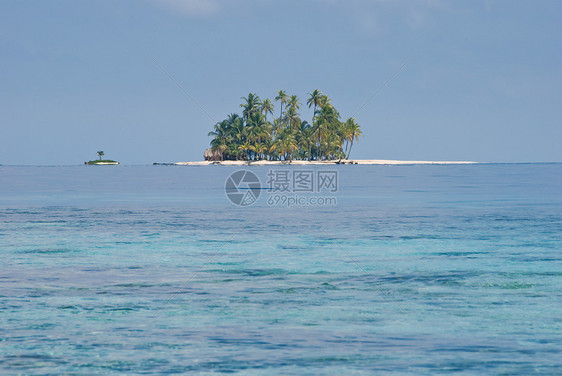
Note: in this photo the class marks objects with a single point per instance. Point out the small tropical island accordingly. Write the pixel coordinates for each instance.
(101, 161)
(258, 137)
(251, 136)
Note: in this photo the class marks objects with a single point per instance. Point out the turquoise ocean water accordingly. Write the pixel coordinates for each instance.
(151, 270)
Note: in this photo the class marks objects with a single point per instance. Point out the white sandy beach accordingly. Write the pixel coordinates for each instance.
(306, 163)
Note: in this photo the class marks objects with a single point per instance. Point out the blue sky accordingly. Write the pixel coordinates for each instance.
(483, 83)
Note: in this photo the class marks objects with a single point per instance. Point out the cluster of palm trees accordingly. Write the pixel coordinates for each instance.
(253, 136)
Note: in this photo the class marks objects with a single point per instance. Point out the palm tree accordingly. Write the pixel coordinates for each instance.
(267, 107)
(285, 145)
(281, 97)
(246, 146)
(271, 152)
(236, 135)
(220, 130)
(292, 117)
(294, 102)
(253, 133)
(333, 149)
(314, 100)
(324, 101)
(277, 123)
(288, 147)
(258, 128)
(320, 130)
(100, 154)
(251, 106)
(346, 135)
(260, 149)
(355, 131)
(232, 118)
(306, 139)
(220, 146)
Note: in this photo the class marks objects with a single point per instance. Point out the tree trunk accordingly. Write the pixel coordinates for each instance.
(350, 146)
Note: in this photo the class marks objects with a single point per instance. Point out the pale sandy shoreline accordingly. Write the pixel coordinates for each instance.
(308, 163)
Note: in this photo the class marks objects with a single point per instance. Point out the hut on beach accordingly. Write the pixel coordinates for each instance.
(212, 155)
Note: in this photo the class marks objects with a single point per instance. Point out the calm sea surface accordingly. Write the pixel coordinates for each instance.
(152, 270)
